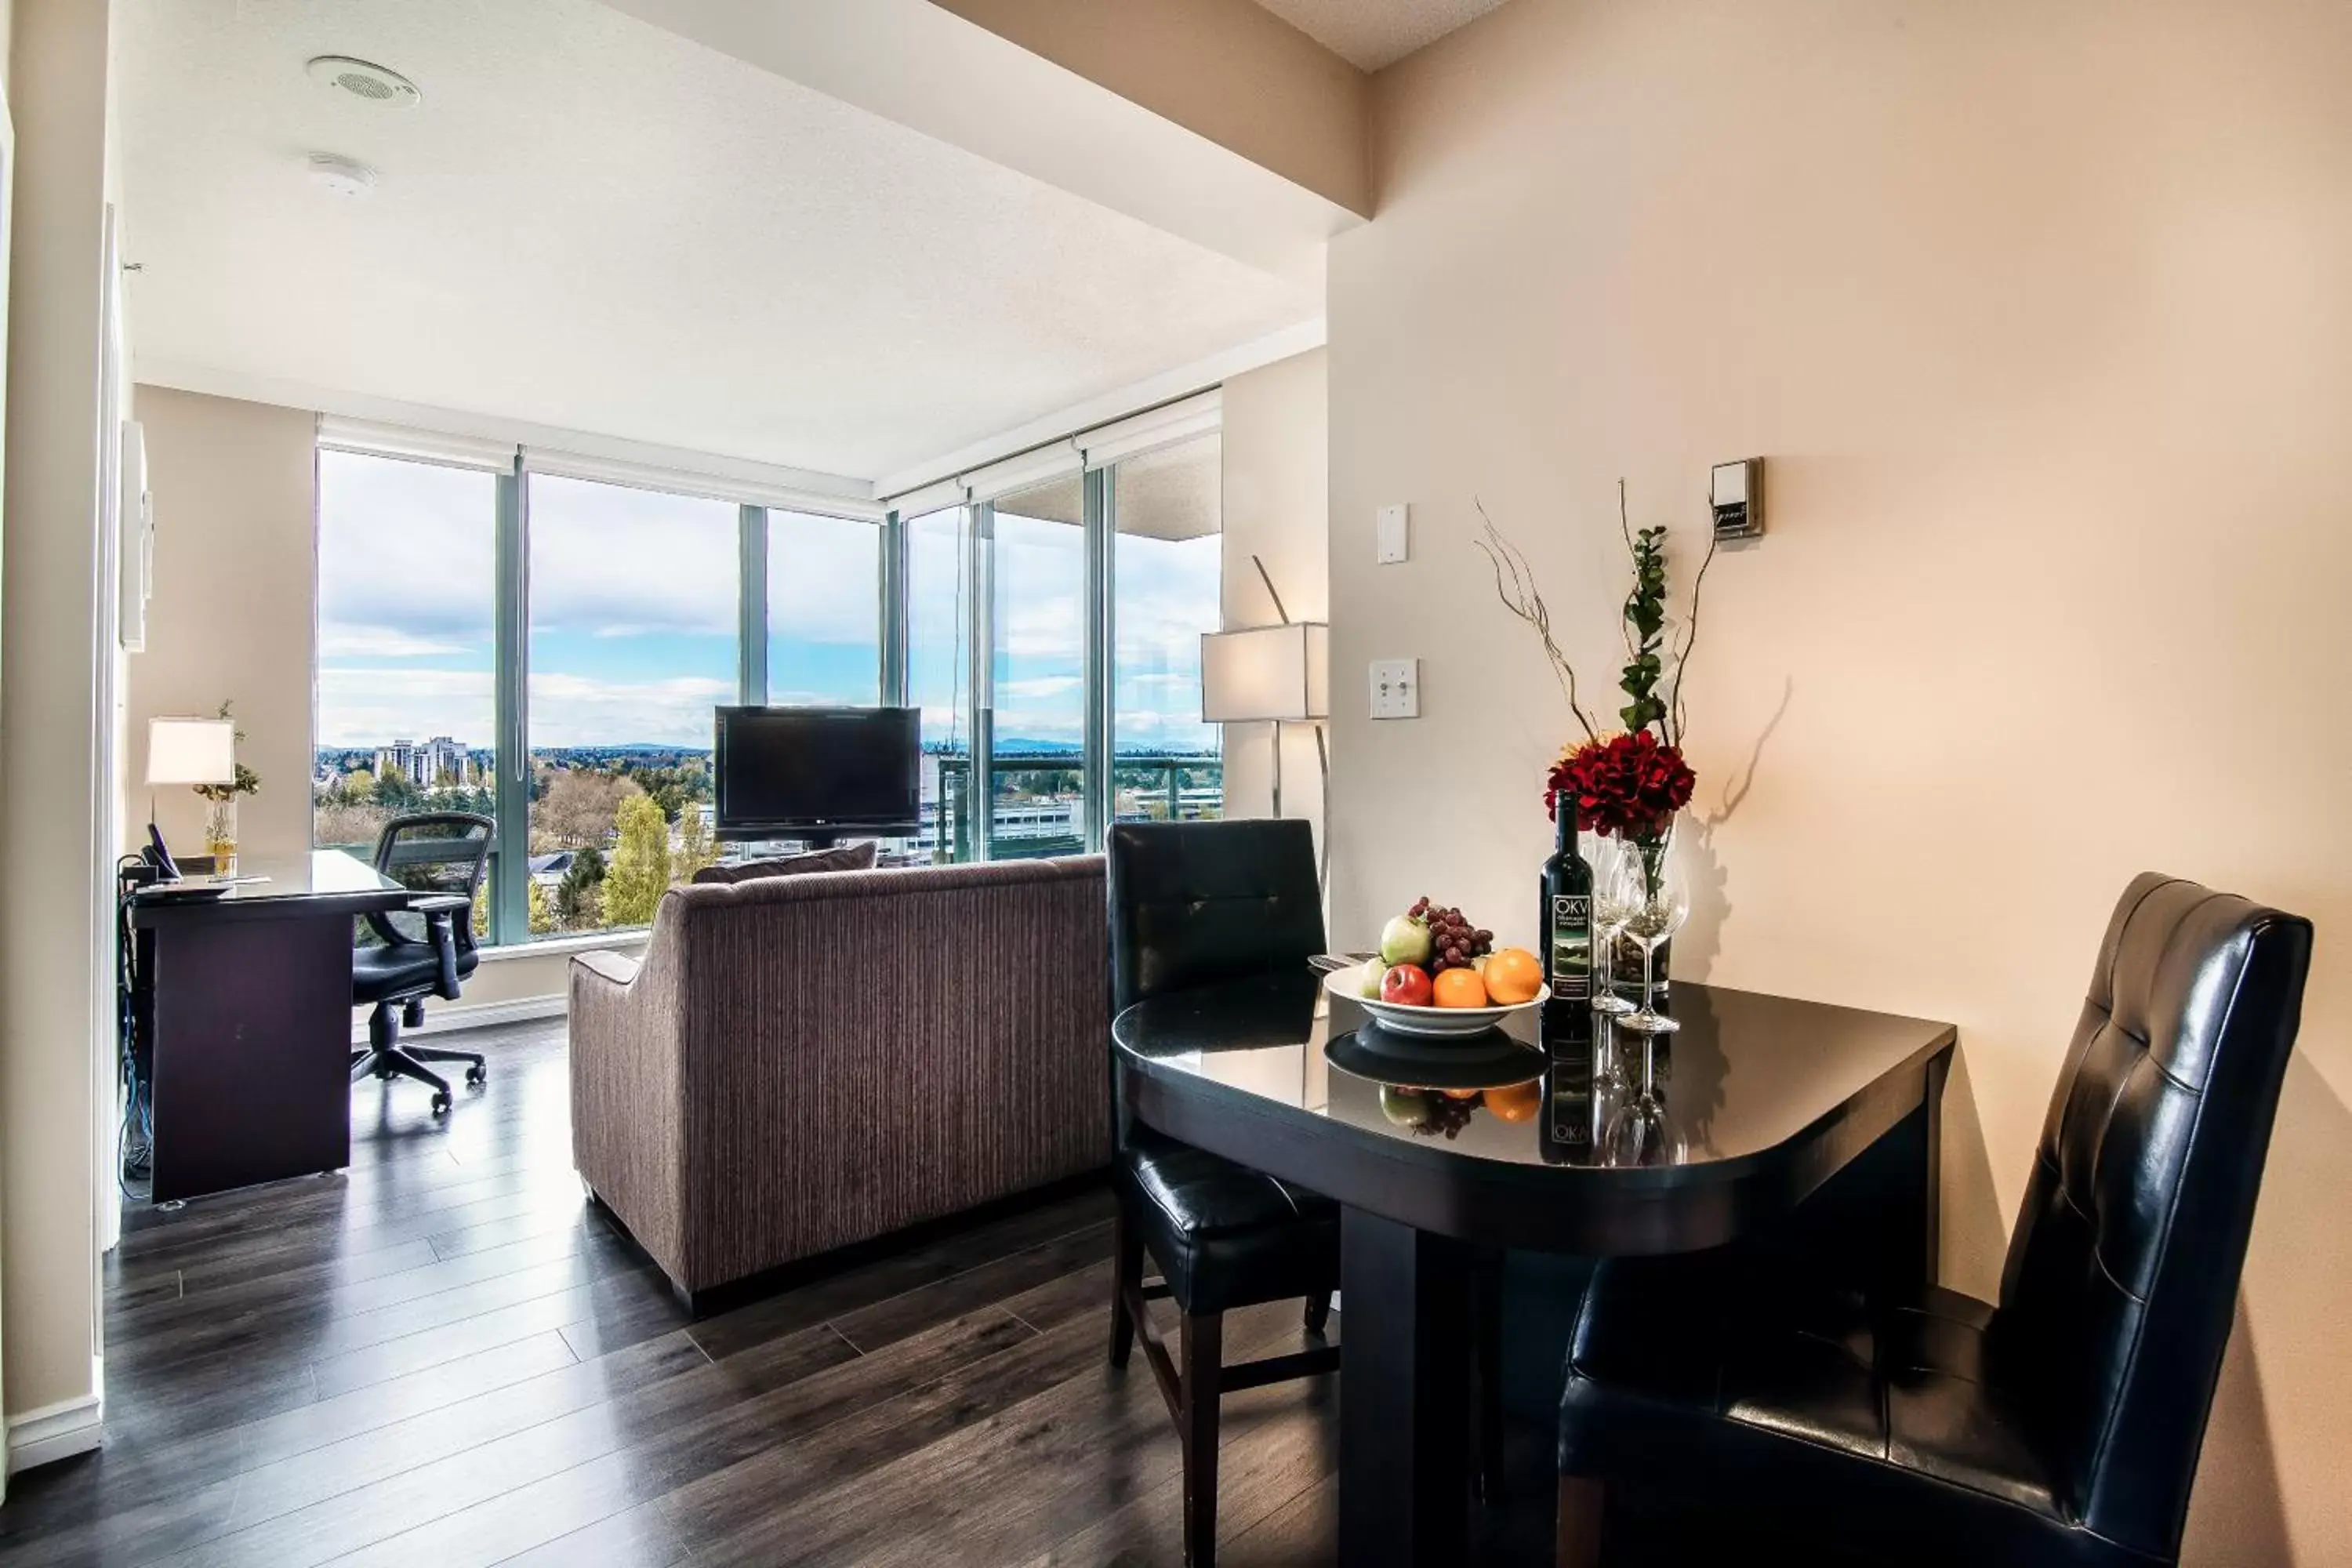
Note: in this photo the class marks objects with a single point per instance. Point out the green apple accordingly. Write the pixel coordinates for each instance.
(1403, 1107)
(1404, 940)
(1367, 977)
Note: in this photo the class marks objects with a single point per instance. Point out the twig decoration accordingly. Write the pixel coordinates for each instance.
(1515, 586)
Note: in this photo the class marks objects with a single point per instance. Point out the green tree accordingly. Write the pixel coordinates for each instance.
(394, 790)
(359, 786)
(695, 849)
(640, 872)
(575, 896)
(542, 915)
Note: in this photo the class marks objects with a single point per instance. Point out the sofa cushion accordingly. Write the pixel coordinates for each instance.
(841, 858)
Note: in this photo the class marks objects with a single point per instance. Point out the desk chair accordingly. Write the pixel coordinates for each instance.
(424, 949)
(1191, 903)
(2060, 1425)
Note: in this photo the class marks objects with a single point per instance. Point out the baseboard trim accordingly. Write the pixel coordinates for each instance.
(477, 1016)
(56, 1432)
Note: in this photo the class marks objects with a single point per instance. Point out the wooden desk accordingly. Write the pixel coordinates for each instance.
(244, 1005)
(1761, 1101)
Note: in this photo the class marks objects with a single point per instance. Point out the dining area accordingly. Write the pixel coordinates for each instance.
(1643, 1294)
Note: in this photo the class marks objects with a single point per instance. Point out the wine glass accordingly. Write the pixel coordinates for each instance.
(1638, 1132)
(1609, 912)
(1656, 908)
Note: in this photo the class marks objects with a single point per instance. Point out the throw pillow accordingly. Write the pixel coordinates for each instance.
(841, 858)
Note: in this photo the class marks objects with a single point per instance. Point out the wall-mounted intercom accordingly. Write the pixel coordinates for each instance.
(1736, 494)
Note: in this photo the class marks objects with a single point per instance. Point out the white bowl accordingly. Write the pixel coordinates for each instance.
(1429, 1022)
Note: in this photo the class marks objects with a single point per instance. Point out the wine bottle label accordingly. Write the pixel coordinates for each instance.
(1571, 947)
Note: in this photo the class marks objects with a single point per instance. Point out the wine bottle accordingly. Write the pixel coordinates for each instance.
(1566, 918)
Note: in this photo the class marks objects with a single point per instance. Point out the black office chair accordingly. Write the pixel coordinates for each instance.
(1193, 903)
(2060, 1426)
(424, 949)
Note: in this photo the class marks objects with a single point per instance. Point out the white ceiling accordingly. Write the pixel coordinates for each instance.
(593, 224)
(1370, 34)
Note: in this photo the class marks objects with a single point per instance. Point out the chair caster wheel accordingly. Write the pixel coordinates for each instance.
(477, 1075)
(440, 1104)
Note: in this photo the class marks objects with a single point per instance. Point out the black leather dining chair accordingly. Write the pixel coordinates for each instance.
(424, 949)
(2060, 1425)
(1191, 904)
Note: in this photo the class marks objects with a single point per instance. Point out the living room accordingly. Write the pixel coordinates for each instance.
(1238, 424)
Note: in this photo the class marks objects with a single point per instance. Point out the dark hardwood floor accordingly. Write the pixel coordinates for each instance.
(442, 1357)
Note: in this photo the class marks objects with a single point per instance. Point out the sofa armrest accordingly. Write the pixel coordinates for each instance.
(627, 1077)
(618, 968)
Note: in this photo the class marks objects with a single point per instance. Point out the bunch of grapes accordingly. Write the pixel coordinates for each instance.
(1453, 943)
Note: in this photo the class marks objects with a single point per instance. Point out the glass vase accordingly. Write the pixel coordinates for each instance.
(220, 837)
(1625, 955)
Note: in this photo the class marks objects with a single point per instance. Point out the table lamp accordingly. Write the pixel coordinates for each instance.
(187, 752)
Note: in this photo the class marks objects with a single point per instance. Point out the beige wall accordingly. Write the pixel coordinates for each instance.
(2041, 314)
(1276, 505)
(234, 614)
(1228, 70)
(55, 795)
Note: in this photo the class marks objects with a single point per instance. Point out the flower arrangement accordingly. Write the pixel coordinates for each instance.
(220, 820)
(1627, 785)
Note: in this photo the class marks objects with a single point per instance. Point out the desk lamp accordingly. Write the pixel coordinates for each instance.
(186, 751)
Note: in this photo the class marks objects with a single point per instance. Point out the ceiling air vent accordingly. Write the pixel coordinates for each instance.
(365, 80)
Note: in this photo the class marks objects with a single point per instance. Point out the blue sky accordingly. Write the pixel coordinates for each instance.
(633, 614)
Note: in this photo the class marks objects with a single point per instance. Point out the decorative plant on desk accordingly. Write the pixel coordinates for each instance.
(220, 818)
(1624, 785)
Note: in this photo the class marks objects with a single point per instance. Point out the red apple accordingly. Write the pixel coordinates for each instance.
(1407, 984)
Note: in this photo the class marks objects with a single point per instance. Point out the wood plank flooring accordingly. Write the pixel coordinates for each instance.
(442, 1356)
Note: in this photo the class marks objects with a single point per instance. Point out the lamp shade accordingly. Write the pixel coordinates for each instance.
(191, 750)
(1266, 673)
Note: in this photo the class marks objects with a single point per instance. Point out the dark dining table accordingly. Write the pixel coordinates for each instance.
(1763, 1119)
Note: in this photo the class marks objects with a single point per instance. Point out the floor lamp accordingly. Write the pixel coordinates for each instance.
(1269, 675)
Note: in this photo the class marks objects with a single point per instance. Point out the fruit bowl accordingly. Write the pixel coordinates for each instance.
(1428, 1023)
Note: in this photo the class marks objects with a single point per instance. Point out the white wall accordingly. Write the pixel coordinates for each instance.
(235, 613)
(2038, 312)
(56, 797)
(1276, 505)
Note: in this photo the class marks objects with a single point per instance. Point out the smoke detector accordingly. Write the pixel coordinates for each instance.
(365, 80)
(346, 178)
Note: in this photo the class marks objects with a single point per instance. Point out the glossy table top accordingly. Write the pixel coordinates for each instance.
(327, 880)
(1757, 1097)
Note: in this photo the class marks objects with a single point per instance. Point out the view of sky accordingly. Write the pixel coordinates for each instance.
(633, 614)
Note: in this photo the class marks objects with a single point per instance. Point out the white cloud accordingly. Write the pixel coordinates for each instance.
(574, 710)
(348, 641)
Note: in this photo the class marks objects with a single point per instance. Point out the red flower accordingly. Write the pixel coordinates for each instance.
(1627, 786)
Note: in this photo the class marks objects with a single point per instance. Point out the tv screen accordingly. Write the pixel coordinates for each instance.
(794, 772)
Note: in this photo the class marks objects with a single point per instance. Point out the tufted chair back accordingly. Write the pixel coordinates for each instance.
(2122, 1277)
(1194, 902)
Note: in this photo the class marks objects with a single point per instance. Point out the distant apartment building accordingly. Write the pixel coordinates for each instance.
(429, 763)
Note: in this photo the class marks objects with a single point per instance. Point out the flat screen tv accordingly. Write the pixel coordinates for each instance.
(818, 774)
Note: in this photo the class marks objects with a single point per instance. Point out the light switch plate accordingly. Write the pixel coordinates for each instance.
(1396, 689)
(1391, 530)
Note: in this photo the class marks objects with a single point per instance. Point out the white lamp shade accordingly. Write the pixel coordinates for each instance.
(191, 750)
(1266, 674)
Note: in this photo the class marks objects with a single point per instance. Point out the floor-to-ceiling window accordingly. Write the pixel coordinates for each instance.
(1037, 687)
(406, 655)
(635, 601)
(940, 671)
(1165, 573)
(824, 615)
(480, 607)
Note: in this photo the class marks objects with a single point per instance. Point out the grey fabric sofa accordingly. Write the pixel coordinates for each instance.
(803, 1062)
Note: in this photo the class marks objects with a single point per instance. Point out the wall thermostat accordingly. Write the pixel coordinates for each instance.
(1736, 494)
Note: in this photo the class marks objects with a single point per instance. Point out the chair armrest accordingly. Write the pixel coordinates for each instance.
(439, 903)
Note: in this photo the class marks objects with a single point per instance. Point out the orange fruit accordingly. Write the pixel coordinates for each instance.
(1515, 1103)
(1458, 988)
(1513, 976)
